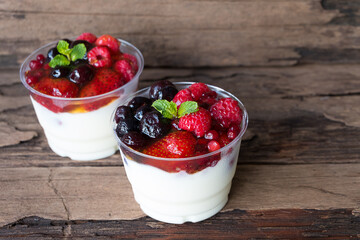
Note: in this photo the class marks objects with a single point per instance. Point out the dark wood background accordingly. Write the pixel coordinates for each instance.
(294, 64)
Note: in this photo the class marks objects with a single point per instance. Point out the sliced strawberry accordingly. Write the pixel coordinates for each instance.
(105, 80)
(198, 122)
(91, 38)
(182, 96)
(124, 67)
(109, 41)
(60, 87)
(99, 57)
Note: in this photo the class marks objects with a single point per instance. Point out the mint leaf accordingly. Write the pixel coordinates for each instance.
(78, 52)
(187, 107)
(63, 47)
(166, 108)
(59, 60)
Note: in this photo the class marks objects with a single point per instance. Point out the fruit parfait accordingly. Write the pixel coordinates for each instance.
(75, 85)
(179, 144)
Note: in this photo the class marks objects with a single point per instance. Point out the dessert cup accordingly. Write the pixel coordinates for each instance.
(178, 197)
(72, 128)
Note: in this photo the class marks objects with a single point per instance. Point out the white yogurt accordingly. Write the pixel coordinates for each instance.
(80, 136)
(182, 197)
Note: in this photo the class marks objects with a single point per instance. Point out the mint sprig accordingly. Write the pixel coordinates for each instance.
(67, 54)
(169, 109)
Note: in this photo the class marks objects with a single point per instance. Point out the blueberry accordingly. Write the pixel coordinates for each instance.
(81, 74)
(136, 102)
(134, 139)
(60, 72)
(125, 126)
(51, 54)
(154, 125)
(156, 88)
(122, 113)
(140, 111)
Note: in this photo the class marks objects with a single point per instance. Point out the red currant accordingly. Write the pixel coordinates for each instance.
(34, 65)
(213, 146)
(211, 135)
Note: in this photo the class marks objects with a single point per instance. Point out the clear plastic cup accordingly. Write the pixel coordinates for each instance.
(79, 128)
(178, 197)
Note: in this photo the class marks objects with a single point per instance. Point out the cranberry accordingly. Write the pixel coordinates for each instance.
(211, 135)
(31, 80)
(233, 131)
(34, 65)
(40, 58)
(213, 146)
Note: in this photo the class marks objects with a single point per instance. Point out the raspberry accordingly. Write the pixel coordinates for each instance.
(133, 61)
(198, 90)
(89, 37)
(198, 122)
(226, 111)
(124, 67)
(182, 96)
(99, 57)
(110, 42)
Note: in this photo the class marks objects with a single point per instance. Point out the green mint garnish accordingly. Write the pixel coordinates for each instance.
(67, 54)
(78, 52)
(169, 109)
(166, 108)
(187, 107)
(59, 60)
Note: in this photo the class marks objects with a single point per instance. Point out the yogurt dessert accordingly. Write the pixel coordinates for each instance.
(180, 144)
(75, 87)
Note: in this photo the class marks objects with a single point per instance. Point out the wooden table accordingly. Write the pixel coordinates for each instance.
(297, 74)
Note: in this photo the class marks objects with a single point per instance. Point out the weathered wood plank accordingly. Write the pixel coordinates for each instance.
(192, 33)
(261, 224)
(104, 193)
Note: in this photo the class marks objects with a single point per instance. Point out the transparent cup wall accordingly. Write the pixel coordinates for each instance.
(81, 135)
(180, 197)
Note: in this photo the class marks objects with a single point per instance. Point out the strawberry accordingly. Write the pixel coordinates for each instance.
(178, 144)
(182, 96)
(99, 57)
(198, 90)
(91, 38)
(109, 41)
(198, 122)
(60, 87)
(105, 80)
(124, 67)
(226, 111)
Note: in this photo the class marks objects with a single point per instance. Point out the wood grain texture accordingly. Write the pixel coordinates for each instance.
(193, 33)
(237, 224)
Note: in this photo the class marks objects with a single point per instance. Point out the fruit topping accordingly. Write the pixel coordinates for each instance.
(198, 90)
(226, 111)
(140, 111)
(89, 37)
(124, 67)
(81, 74)
(182, 96)
(213, 146)
(134, 139)
(211, 135)
(124, 126)
(52, 53)
(40, 58)
(136, 102)
(60, 87)
(174, 145)
(154, 125)
(35, 64)
(60, 72)
(233, 131)
(163, 90)
(99, 57)
(198, 122)
(122, 113)
(108, 41)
